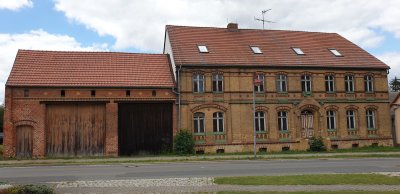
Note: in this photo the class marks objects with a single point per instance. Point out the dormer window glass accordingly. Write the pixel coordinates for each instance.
(202, 48)
(336, 52)
(256, 49)
(298, 51)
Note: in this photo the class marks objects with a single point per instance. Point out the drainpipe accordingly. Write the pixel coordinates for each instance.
(179, 96)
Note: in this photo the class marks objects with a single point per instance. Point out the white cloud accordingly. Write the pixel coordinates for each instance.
(15, 4)
(140, 24)
(38, 40)
(393, 60)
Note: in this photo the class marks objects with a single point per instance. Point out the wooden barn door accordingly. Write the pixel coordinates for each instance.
(24, 141)
(144, 128)
(75, 129)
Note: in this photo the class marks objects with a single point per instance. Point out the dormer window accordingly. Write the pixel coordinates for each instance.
(256, 49)
(202, 48)
(336, 52)
(298, 51)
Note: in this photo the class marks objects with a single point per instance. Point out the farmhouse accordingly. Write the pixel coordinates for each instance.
(305, 84)
(88, 103)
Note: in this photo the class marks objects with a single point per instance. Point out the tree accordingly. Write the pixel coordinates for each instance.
(184, 143)
(395, 84)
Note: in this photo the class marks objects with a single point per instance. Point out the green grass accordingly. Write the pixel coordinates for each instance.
(311, 192)
(313, 179)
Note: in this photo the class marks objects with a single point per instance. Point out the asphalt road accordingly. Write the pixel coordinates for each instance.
(43, 174)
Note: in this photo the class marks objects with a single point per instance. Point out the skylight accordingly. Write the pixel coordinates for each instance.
(202, 48)
(336, 52)
(298, 51)
(256, 49)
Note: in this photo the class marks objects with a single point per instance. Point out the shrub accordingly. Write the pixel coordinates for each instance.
(316, 144)
(29, 189)
(184, 143)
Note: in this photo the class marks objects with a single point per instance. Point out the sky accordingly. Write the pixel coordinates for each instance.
(138, 26)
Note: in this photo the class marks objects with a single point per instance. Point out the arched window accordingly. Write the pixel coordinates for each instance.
(349, 83)
(198, 121)
(282, 120)
(369, 83)
(259, 119)
(198, 83)
(217, 80)
(351, 119)
(218, 122)
(306, 83)
(370, 119)
(329, 83)
(331, 119)
(281, 85)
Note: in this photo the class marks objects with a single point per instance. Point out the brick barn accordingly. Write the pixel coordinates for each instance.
(88, 104)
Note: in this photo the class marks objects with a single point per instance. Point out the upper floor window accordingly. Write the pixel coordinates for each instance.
(62, 93)
(298, 51)
(198, 121)
(26, 92)
(256, 49)
(93, 93)
(336, 52)
(283, 120)
(370, 119)
(330, 119)
(218, 80)
(306, 83)
(281, 85)
(259, 87)
(369, 83)
(198, 83)
(349, 83)
(351, 119)
(259, 119)
(329, 83)
(218, 122)
(202, 48)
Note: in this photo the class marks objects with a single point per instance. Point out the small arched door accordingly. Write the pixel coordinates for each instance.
(24, 141)
(307, 124)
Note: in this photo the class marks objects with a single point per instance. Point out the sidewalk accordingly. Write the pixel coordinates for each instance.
(138, 159)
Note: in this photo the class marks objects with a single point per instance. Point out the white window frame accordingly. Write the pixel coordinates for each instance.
(329, 83)
(256, 50)
(202, 48)
(371, 119)
(219, 118)
(351, 119)
(331, 116)
(198, 117)
(306, 83)
(369, 83)
(260, 88)
(259, 119)
(283, 121)
(349, 83)
(281, 83)
(336, 52)
(298, 51)
(216, 78)
(198, 80)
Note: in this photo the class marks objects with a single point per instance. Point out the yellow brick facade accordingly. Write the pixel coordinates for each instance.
(236, 103)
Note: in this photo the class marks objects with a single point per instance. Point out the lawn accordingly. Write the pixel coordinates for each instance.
(313, 179)
(311, 192)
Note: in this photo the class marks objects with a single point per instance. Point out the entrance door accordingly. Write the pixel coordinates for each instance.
(307, 120)
(24, 141)
(144, 128)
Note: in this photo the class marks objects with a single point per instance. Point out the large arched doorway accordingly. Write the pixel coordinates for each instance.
(307, 123)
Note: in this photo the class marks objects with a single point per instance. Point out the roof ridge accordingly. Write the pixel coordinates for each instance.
(103, 52)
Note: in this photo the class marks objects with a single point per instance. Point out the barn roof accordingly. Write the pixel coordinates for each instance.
(90, 69)
(231, 46)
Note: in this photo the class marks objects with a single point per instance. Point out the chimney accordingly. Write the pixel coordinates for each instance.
(232, 27)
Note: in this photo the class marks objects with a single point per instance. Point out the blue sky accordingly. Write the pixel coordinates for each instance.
(138, 26)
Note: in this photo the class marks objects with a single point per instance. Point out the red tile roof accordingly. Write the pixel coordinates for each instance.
(233, 48)
(90, 69)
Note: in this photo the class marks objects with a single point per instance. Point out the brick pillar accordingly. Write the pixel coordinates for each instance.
(111, 145)
(39, 133)
(9, 132)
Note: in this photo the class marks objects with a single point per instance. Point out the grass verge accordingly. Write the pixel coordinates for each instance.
(311, 192)
(312, 179)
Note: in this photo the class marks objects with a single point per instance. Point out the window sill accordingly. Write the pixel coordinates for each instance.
(218, 133)
(352, 129)
(198, 134)
(331, 130)
(261, 132)
(372, 129)
(283, 131)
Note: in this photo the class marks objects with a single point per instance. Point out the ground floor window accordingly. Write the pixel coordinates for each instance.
(283, 120)
(198, 120)
(330, 119)
(351, 119)
(218, 122)
(260, 121)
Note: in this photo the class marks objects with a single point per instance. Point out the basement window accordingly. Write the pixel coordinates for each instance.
(62, 93)
(93, 93)
(256, 50)
(202, 48)
(336, 52)
(128, 93)
(298, 51)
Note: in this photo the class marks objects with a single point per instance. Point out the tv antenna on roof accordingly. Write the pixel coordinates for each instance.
(263, 20)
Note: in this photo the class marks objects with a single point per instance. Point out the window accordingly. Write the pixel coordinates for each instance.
(259, 88)
(62, 93)
(153, 93)
(329, 83)
(351, 119)
(281, 83)
(370, 119)
(202, 48)
(198, 83)
(349, 83)
(368, 83)
(306, 83)
(256, 49)
(218, 80)
(298, 51)
(282, 120)
(336, 52)
(259, 119)
(93, 93)
(128, 93)
(218, 122)
(198, 120)
(330, 119)
(26, 92)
